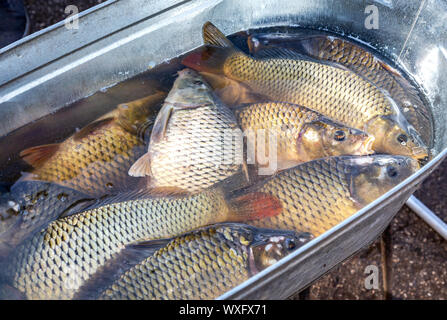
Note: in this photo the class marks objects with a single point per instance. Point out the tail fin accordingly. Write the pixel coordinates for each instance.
(231, 92)
(212, 57)
(209, 59)
(254, 206)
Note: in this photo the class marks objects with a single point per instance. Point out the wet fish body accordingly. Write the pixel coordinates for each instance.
(57, 261)
(301, 134)
(317, 195)
(188, 148)
(96, 159)
(363, 63)
(336, 92)
(205, 263)
(60, 259)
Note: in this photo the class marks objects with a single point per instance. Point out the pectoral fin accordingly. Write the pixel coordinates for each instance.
(142, 167)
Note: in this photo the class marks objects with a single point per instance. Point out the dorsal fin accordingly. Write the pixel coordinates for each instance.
(36, 156)
(283, 53)
(213, 55)
(139, 194)
(410, 91)
(297, 41)
(168, 192)
(91, 128)
(213, 36)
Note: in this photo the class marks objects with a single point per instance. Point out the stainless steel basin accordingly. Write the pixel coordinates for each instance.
(119, 39)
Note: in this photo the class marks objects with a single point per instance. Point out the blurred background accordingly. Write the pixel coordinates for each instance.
(411, 257)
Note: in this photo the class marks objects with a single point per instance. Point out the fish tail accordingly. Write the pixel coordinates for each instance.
(254, 206)
(209, 59)
(213, 56)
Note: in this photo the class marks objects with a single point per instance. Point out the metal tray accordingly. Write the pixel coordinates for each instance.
(117, 40)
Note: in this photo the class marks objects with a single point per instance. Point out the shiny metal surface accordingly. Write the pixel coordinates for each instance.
(428, 216)
(119, 39)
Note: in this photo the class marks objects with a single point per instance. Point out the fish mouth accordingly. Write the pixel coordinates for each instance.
(367, 146)
(420, 153)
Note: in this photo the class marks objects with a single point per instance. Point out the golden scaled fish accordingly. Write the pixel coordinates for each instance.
(301, 134)
(96, 159)
(58, 260)
(335, 92)
(362, 62)
(188, 149)
(317, 195)
(204, 264)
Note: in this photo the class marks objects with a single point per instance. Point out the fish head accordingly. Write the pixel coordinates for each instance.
(324, 138)
(141, 112)
(372, 176)
(394, 138)
(190, 89)
(270, 246)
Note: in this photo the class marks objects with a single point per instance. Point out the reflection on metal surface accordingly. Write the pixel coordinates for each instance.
(428, 67)
(428, 216)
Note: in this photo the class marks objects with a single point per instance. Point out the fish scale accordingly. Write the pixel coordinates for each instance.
(95, 160)
(363, 63)
(301, 134)
(203, 264)
(93, 170)
(198, 166)
(364, 100)
(84, 242)
(157, 278)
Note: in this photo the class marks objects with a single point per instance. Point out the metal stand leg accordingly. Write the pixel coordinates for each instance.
(428, 216)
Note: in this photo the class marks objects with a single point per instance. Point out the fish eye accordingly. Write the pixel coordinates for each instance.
(402, 139)
(290, 244)
(339, 135)
(391, 171)
(198, 82)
